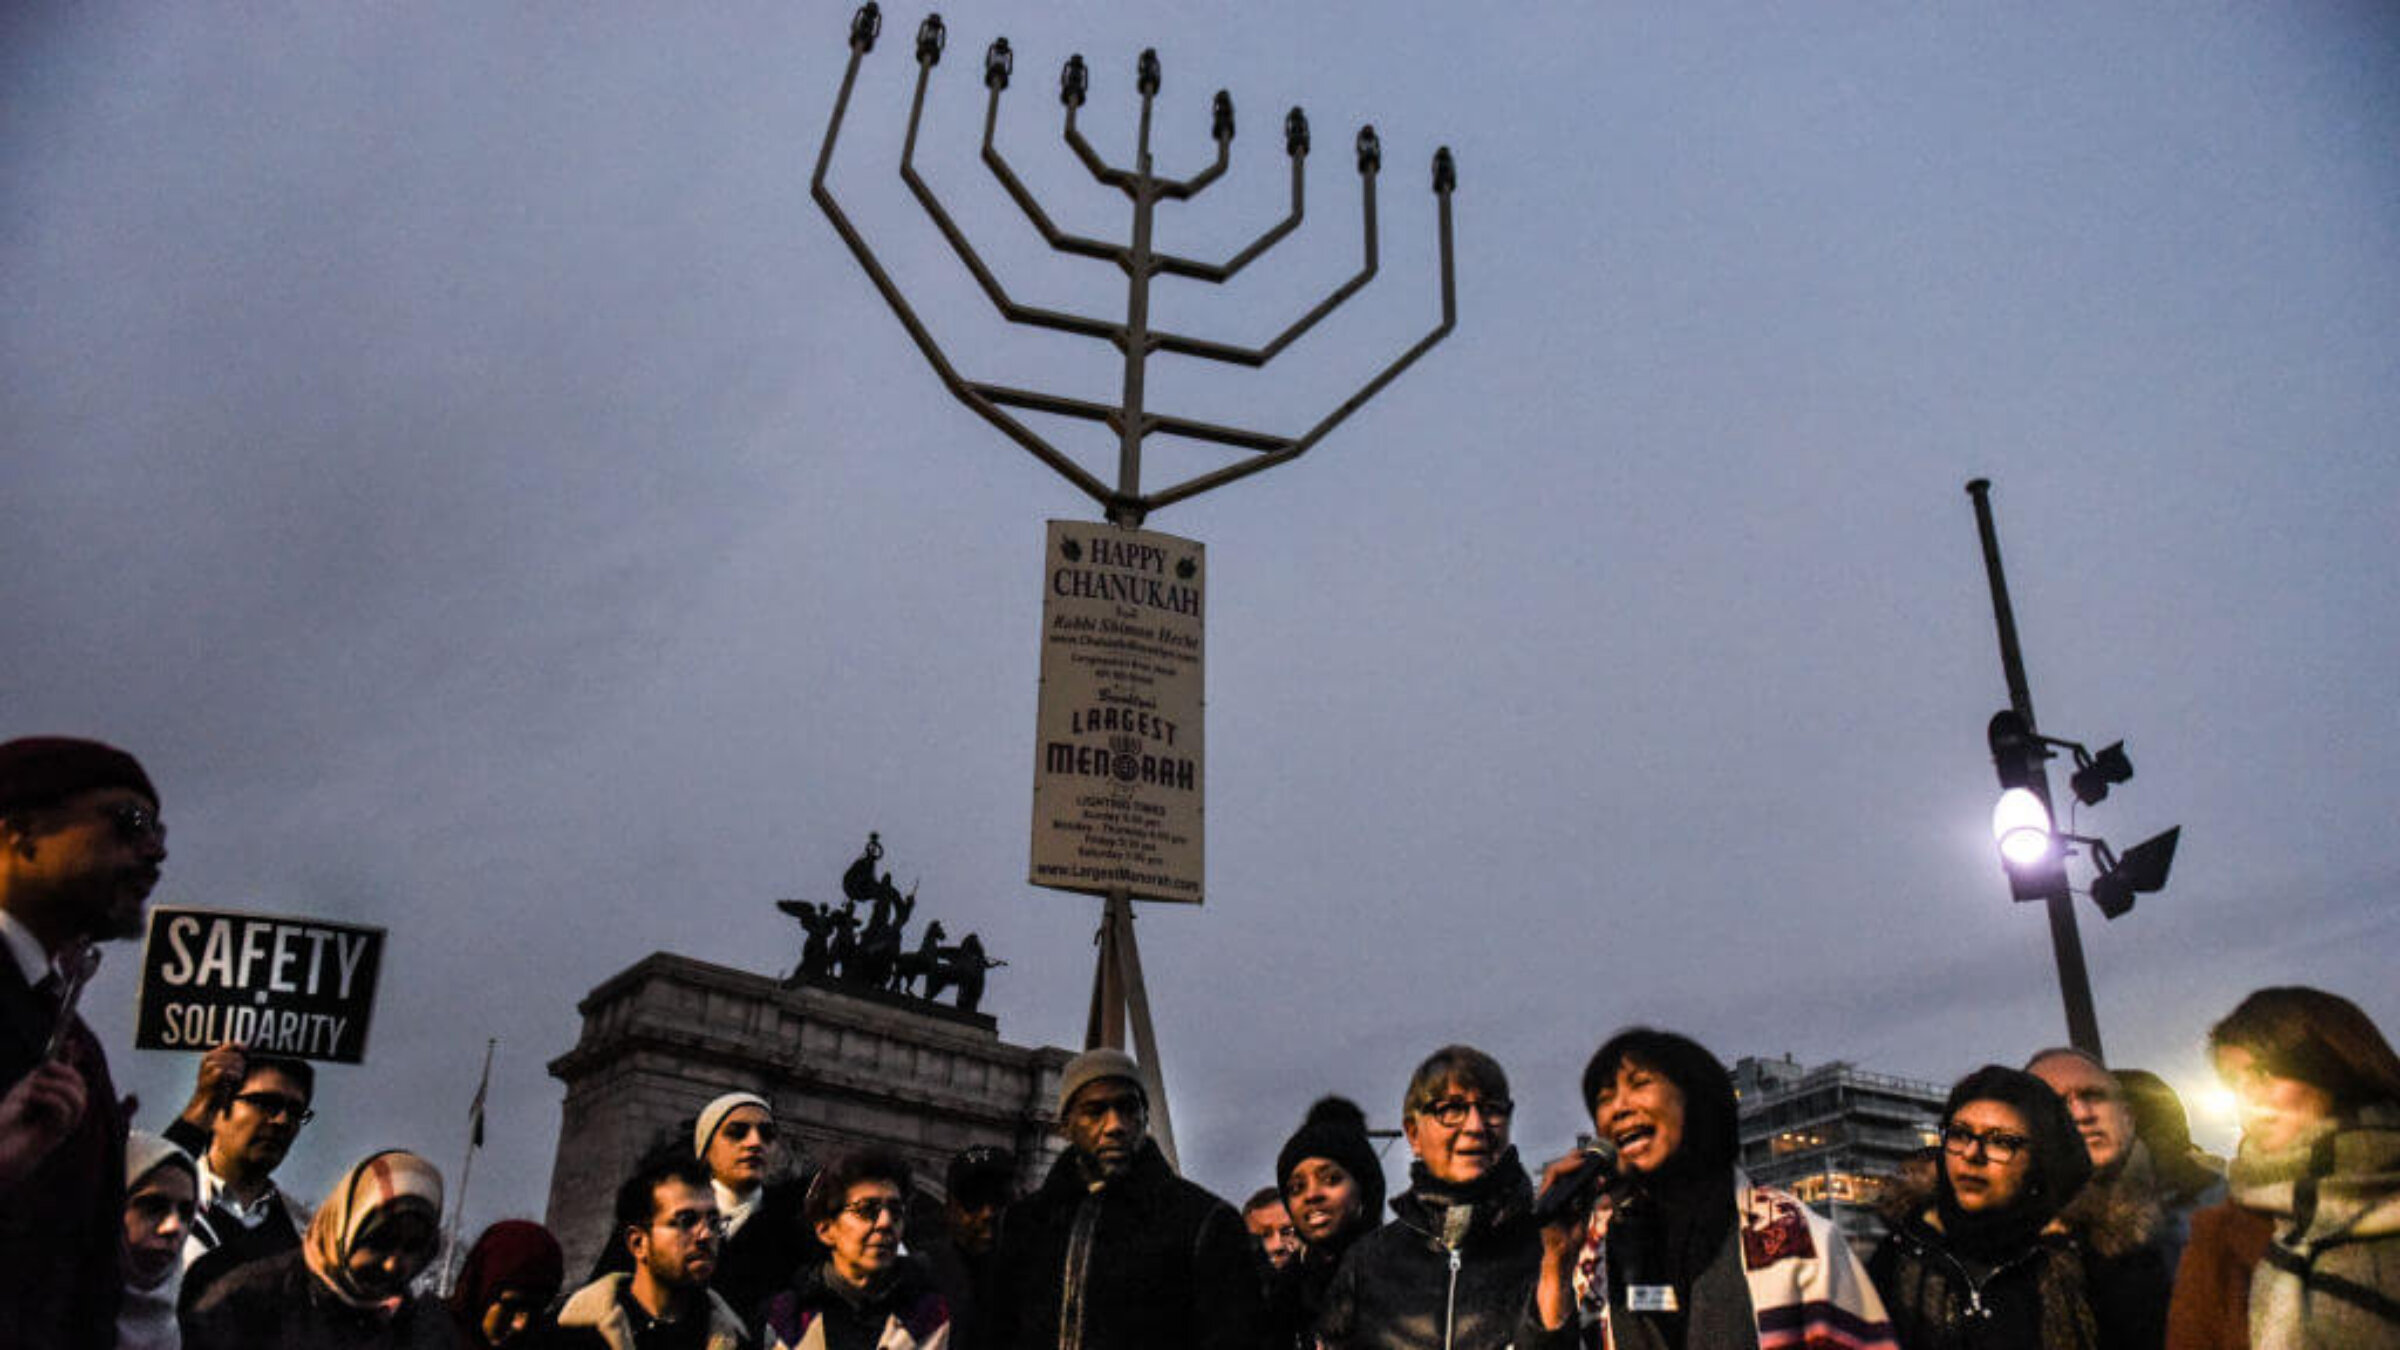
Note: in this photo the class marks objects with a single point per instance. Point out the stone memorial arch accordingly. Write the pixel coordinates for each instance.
(845, 1061)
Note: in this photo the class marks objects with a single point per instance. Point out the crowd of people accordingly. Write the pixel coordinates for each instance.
(2063, 1206)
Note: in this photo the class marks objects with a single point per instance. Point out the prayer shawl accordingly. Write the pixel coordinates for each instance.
(1807, 1292)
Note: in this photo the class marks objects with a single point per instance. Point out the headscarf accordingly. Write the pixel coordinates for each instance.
(146, 1319)
(372, 1192)
(2058, 1164)
(511, 1254)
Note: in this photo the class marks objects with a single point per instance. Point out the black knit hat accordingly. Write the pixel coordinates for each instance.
(982, 1175)
(1337, 1130)
(2061, 1165)
(45, 770)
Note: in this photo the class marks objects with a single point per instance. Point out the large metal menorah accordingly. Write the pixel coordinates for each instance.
(1126, 503)
(1117, 991)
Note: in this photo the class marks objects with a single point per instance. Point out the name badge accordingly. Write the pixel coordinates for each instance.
(1651, 1298)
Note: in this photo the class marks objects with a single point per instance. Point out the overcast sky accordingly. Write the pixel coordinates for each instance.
(447, 444)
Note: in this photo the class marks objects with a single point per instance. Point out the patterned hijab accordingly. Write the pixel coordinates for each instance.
(373, 1192)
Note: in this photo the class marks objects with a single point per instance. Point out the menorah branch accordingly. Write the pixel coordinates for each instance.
(1051, 234)
(1008, 306)
(862, 40)
(1444, 179)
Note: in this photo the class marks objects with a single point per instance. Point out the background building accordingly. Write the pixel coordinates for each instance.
(1833, 1135)
(843, 1067)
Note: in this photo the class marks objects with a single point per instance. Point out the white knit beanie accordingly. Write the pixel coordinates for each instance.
(713, 1115)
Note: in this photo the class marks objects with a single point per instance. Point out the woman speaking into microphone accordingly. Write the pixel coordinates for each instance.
(1678, 1249)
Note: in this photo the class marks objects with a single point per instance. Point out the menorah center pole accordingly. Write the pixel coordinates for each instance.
(1137, 326)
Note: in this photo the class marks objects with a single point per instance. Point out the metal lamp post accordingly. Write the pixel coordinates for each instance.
(2031, 844)
(2074, 981)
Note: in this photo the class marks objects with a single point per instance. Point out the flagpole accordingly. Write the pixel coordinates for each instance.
(466, 1170)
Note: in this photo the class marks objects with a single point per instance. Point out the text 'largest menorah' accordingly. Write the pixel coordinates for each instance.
(1126, 503)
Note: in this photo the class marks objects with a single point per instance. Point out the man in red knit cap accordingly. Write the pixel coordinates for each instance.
(80, 848)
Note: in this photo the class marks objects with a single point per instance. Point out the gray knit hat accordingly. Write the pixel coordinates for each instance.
(1094, 1065)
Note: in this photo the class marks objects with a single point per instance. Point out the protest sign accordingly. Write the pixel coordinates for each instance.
(280, 985)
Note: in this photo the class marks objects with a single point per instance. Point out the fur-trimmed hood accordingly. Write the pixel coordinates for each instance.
(2115, 1215)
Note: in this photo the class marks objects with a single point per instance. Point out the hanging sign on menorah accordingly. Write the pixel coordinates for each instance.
(1117, 781)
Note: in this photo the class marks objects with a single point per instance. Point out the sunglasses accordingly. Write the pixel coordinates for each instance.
(135, 823)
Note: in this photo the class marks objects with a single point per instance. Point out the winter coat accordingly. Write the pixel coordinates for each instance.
(2331, 1276)
(61, 1226)
(769, 1251)
(2211, 1306)
(219, 1242)
(2130, 1246)
(1296, 1297)
(2033, 1298)
(2096, 1275)
(1147, 1261)
(966, 1285)
(594, 1319)
(280, 1304)
(1403, 1287)
(909, 1313)
(754, 1262)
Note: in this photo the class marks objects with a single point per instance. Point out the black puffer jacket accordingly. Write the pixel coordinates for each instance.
(1147, 1262)
(1403, 1287)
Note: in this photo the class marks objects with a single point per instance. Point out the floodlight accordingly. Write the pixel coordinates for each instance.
(2096, 773)
(2141, 870)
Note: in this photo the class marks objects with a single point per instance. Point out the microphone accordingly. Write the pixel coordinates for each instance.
(1571, 1195)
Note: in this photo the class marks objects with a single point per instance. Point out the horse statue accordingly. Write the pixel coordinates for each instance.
(924, 961)
(963, 966)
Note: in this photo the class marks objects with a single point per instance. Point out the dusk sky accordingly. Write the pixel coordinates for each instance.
(447, 444)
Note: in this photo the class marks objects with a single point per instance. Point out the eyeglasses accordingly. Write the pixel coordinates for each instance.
(135, 823)
(1451, 1112)
(874, 1208)
(274, 1104)
(692, 1221)
(739, 1130)
(1998, 1145)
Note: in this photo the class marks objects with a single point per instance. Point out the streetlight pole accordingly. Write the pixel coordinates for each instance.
(2074, 982)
